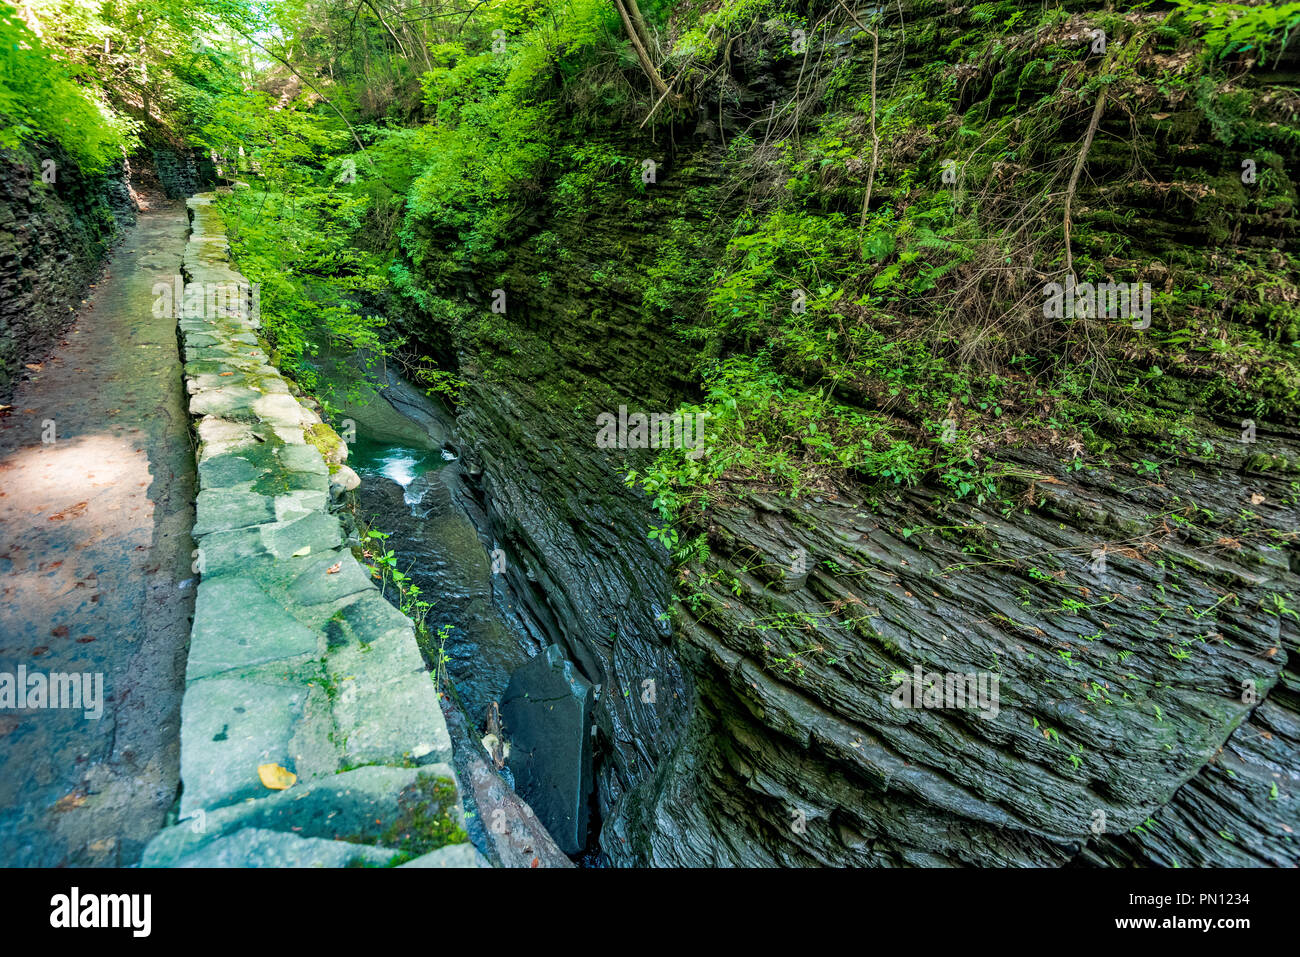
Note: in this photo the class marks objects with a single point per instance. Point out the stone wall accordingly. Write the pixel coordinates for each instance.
(183, 172)
(296, 660)
(53, 239)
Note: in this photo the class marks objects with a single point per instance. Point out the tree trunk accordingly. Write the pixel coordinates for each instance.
(638, 44)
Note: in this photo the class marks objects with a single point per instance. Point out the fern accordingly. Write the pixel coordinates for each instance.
(1235, 28)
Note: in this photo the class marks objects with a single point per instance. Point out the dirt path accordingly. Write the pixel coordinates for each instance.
(95, 568)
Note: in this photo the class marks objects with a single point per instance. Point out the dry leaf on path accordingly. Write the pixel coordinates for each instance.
(275, 777)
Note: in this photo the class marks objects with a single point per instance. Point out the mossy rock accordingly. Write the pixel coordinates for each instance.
(1266, 462)
(428, 817)
(326, 441)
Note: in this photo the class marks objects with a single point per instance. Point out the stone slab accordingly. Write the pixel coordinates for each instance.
(547, 712)
(239, 626)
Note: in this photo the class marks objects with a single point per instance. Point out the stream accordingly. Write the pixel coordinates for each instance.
(404, 451)
(397, 463)
(411, 489)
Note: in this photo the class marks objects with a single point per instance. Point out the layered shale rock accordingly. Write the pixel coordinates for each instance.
(1137, 601)
(1129, 686)
(182, 172)
(56, 225)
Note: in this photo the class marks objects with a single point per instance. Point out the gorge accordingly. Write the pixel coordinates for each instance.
(901, 470)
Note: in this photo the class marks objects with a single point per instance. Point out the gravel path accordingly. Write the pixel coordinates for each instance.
(95, 568)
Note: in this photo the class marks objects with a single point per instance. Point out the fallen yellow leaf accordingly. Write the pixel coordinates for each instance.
(69, 801)
(275, 777)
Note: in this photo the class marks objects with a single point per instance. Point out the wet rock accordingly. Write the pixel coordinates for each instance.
(517, 835)
(343, 480)
(580, 571)
(439, 548)
(547, 711)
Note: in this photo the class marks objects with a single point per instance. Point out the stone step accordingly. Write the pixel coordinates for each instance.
(254, 847)
(407, 810)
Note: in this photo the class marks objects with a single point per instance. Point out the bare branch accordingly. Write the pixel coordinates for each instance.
(1078, 168)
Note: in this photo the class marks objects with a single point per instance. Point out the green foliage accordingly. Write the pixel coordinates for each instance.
(919, 339)
(403, 167)
(100, 77)
(294, 230)
(296, 245)
(41, 100)
(495, 131)
(1232, 29)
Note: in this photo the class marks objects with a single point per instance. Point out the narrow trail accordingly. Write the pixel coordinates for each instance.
(95, 567)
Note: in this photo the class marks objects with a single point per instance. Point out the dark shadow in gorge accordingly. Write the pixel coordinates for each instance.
(412, 490)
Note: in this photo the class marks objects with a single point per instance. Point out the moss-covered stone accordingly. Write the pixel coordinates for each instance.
(427, 817)
(326, 441)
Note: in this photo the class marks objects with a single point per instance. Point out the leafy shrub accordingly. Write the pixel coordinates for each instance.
(40, 100)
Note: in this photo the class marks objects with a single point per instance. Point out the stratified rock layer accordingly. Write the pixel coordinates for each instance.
(1140, 616)
(1130, 688)
(53, 238)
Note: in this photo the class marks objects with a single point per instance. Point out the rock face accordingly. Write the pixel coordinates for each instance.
(1156, 691)
(547, 711)
(1127, 690)
(579, 570)
(1142, 626)
(183, 173)
(295, 659)
(53, 238)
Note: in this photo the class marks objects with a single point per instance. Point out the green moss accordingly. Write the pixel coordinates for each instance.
(427, 820)
(326, 441)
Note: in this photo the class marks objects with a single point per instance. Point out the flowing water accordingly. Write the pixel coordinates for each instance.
(410, 489)
(397, 463)
(404, 451)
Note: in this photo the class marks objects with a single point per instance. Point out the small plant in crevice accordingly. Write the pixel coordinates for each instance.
(410, 602)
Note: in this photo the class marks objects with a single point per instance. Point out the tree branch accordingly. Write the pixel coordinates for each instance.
(875, 135)
(311, 86)
(1074, 177)
(642, 54)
